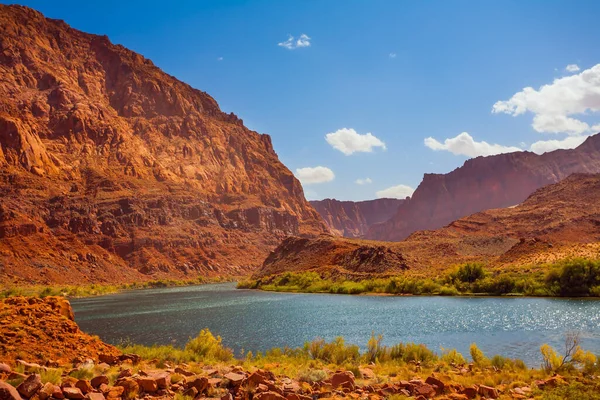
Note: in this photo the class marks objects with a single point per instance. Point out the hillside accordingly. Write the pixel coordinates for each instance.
(112, 170)
(557, 221)
(484, 183)
(353, 218)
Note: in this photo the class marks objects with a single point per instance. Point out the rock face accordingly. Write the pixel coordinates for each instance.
(485, 183)
(342, 255)
(353, 218)
(557, 221)
(42, 330)
(112, 170)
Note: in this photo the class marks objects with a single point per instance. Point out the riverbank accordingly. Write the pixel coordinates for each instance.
(205, 367)
(567, 278)
(78, 291)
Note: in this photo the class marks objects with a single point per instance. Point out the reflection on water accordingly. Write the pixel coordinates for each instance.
(256, 321)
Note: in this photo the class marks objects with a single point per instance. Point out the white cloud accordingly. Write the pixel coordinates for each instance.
(544, 146)
(392, 55)
(465, 145)
(572, 68)
(292, 43)
(365, 181)
(555, 104)
(395, 192)
(348, 141)
(310, 175)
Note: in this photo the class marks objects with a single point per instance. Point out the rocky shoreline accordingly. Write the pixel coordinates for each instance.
(229, 383)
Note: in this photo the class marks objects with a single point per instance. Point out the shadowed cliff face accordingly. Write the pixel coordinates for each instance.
(112, 170)
(484, 183)
(353, 218)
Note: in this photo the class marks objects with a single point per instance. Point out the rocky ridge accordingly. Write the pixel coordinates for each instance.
(353, 218)
(557, 221)
(112, 170)
(484, 183)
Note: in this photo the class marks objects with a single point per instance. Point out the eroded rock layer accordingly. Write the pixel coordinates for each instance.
(37, 329)
(484, 183)
(353, 218)
(556, 222)
(112, 170)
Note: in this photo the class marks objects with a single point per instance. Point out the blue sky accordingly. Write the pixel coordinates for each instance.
(404, 71)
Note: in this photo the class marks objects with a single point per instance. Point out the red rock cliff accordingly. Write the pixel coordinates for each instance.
(111, 169)
(353, 218)
(484, 183)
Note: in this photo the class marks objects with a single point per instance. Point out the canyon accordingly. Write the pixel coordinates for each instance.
(354, 218)
(112, 170)
(484, 183)
(556, 222)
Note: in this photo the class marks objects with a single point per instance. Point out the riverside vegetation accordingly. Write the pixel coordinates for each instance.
(567, 278)
(319, 369)
(97, 289)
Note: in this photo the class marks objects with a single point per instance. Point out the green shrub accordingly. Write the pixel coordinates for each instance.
(82, 373)
(478, 357)
(375, 351)
(469, 273)
(207, 346)
(451, 356)
(52, 375)
(448, 291)
(312, 375)
(576, 277)
(335, 352)
(412, 352)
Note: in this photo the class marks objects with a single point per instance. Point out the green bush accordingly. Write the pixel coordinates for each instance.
(478, 357)
(204, 347)
(375, 351)
(469, 273)
(451, 356)
(207, 346)
(312, 375)
(335, 352)
(412, 352)
(576, 277)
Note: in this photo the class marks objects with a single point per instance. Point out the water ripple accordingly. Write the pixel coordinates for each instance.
(252, 320)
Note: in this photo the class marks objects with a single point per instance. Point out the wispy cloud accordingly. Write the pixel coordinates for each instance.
(395, 192)
(348, 141)
(292, 43)
(219, 58)
(392, 55)
(464, 144)
(311, 175)
(365, 181)
(572, 68)
(570, 142)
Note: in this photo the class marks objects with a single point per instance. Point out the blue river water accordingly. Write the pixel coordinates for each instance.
(256, 321)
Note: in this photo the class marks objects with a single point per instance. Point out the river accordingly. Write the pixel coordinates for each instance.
(256, 320)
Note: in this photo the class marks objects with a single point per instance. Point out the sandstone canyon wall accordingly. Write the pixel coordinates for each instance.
(484, 183)
(353, 218)
(112, 170)
(557, 221)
